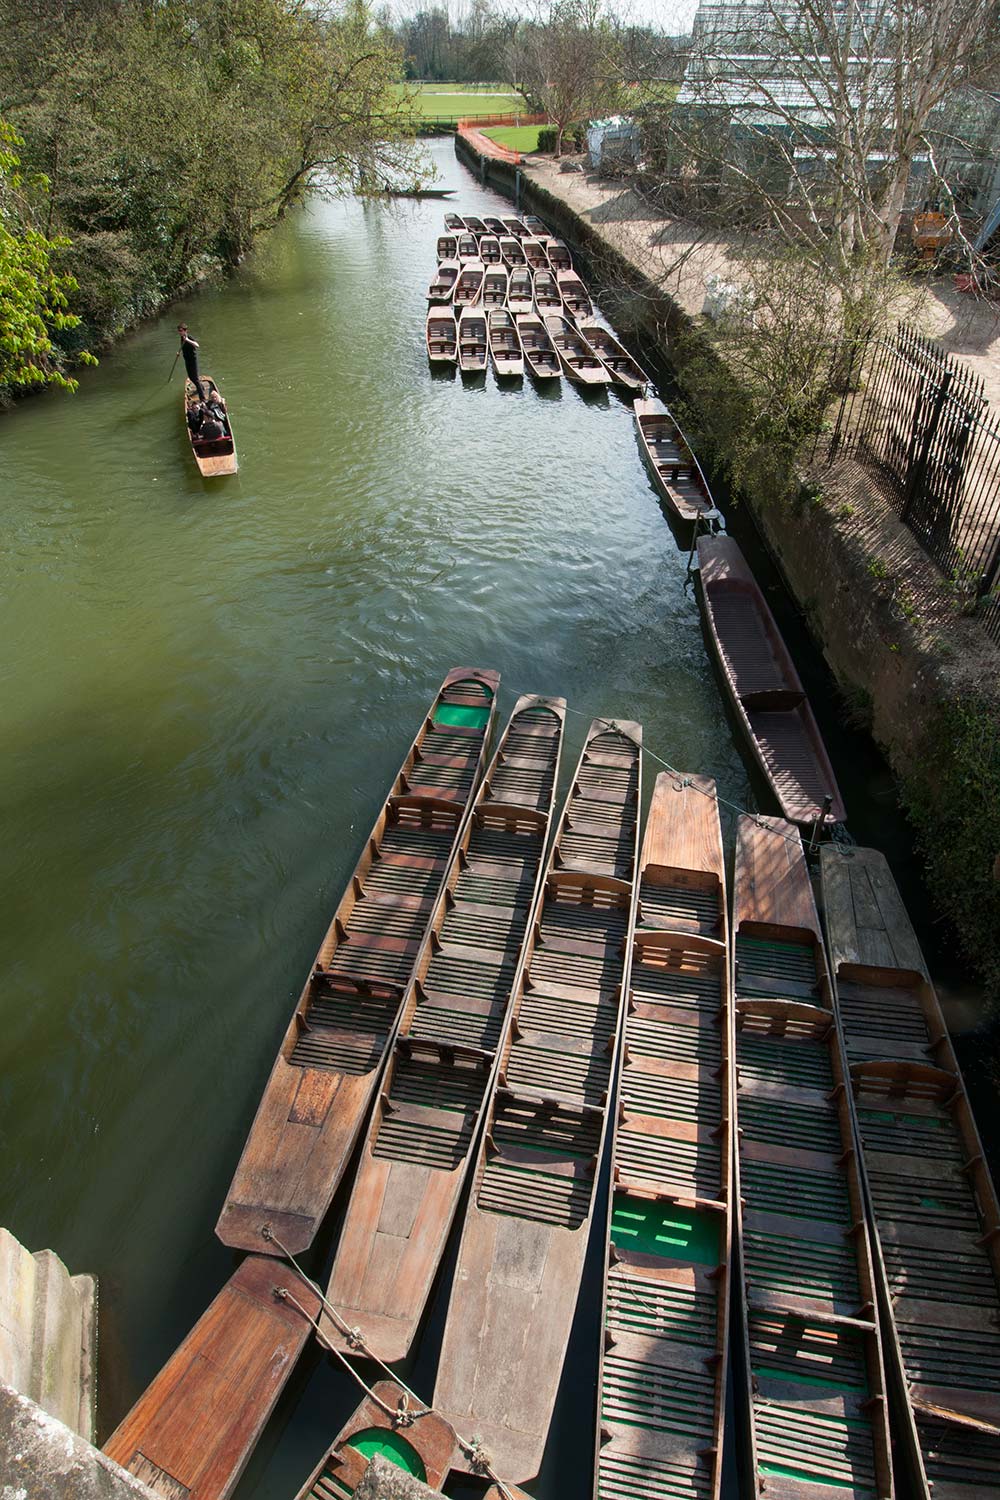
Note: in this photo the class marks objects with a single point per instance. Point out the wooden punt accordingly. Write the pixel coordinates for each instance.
(662, 1381)
(473, 344)
(534, 226)
(423, 1445)
(454, 223)
(534, 254)
(559, 256)
(547, 298)
(489, 250)
(676, 471)
(510, 249)
(614, 357)
(468, 248)
(932, 1199)
(494, 225)
(818, 1419)
(539, 351)
(516, 227)
(415, 1158)
(215, 457)
(330, 1060)
(505, 346)
(764, 687)
(579, 362)
(475, 226)
(441, 336)
(528, 1221)
(442, 288)
(494, 293)
(520, 298)
(447, 247)
(574, 296)
(191, 1432)
(469, 285)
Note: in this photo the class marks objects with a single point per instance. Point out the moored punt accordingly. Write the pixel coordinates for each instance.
(764, 687)
(469, 285)
(215, 457)
(810, 1330)
(534, 254)
(415, 1159)
(475, 226)
(489, 250)
(559, 256)
(511, 251)
(528, 1221)
(494, 293)
(441, 335)
(574, 296)
(616, 360)
(325, 1074)
(539, 351)
(505, 346)
(193, 1429)
(534, 226)
(516, 227)
(468, 248)
(472, 341)
(933, 1202)
(454, 223)
(547, 298)
(447, 247)
(662, 1382)
(494, 225)
(442, 288)
(578, 360)
(385, 1425)
(519, 291)
(676, 471)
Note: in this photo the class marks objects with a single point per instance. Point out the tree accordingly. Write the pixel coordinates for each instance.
(568, 63)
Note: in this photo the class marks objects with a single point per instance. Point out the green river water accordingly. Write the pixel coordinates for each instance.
(207, 689)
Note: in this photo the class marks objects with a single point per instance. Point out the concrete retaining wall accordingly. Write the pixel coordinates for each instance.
(48, 1333)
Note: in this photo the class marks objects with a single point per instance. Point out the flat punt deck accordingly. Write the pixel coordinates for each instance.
(813, 1362)
(331, 1058)
(932, 1199)
(662, 1379)
(423, 1445)
(764, 687)
(528, 1221)
(420, 1143)
(190, 1434)
(675, 470)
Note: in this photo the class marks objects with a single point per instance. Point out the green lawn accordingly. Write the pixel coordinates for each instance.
(515, 137)
(452, 101)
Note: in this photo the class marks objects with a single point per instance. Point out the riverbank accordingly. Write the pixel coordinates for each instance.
(923, 677)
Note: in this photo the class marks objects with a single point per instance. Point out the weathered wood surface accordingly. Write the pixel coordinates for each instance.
(933, 1201)
(190, 1434)
(764, 687)
(818, 1412)
(526, 1228)
(662, 1378)
(429, 1437)
(419, 1145)
(325, 1074)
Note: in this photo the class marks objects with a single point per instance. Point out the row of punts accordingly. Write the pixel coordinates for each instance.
(496, 1006)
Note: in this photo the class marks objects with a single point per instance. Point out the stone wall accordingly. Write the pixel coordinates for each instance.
(41, 1459)
(48, 1333)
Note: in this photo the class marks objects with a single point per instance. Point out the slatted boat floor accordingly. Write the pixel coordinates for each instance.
(818, 1410)
(934, 1204)
(525, 1236)
(453, 1020)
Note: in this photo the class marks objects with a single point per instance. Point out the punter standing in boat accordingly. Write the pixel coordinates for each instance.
(189, 349)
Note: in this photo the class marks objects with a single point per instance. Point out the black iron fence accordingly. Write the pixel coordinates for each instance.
(919, 419)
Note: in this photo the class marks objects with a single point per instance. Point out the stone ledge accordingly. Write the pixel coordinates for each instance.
(41, 1459)
(383, 1481)
(48, 1333)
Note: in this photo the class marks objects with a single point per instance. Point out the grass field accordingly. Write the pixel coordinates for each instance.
(515, 137)
(450, 101)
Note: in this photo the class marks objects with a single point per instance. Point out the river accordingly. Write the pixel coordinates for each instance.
(208, 688)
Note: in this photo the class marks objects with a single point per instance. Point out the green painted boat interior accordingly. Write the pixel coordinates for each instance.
(665, 1229)
(461, 715)
(385, 1444)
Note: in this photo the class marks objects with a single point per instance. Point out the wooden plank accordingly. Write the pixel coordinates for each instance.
(194, 1428)
(866, 920)
(772, 884)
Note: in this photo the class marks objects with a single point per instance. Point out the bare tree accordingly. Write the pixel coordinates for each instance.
(568, 64)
